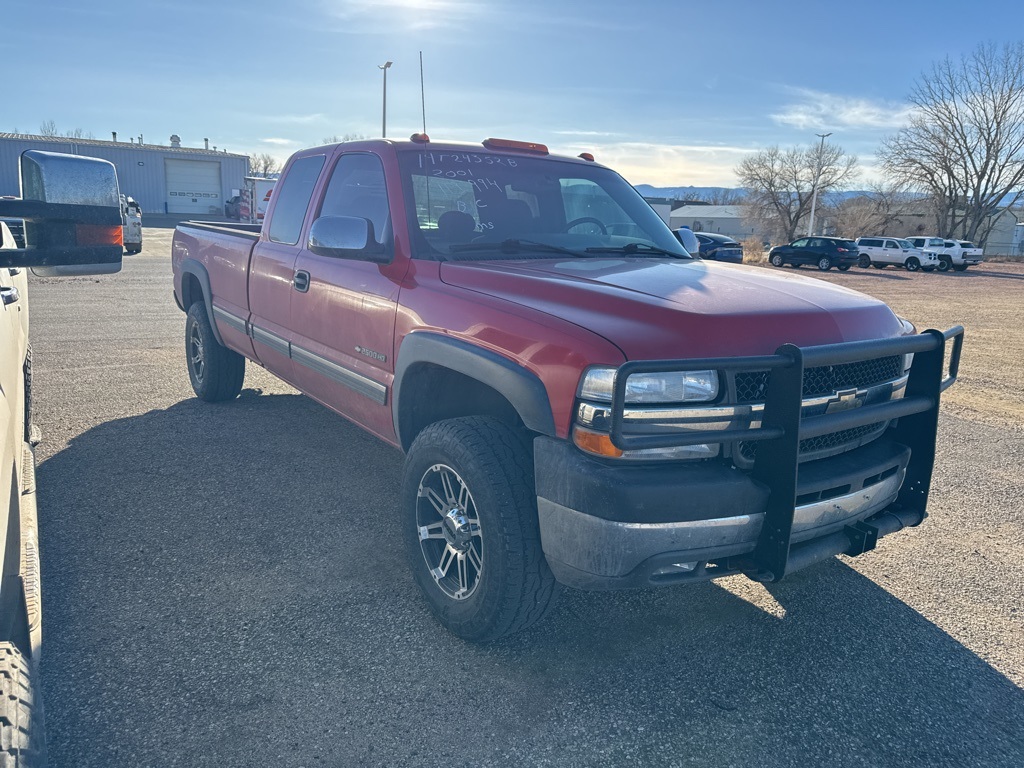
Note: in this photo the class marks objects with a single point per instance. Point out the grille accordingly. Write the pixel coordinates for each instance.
(847, 439)
(752, 386)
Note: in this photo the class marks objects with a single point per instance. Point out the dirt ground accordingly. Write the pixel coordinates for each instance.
(988, 301)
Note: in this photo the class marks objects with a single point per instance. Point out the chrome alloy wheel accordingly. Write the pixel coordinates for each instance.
(449, 531)
(196, 352)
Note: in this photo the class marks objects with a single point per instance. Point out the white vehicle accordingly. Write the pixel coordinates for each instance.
(880, 252)
(963, 253)
(71, 227)
(131, 224)
(952, 254)
(258, 191)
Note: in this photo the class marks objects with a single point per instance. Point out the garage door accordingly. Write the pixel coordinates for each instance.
(193, 186)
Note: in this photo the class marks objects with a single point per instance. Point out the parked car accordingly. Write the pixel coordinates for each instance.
(823, 252)
(880, 252)
(970, 253)
(72, 227)
(952, 253)
(131, 216)
(232, 207)
(719, 247)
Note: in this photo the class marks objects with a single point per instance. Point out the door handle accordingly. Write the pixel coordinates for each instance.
(9, 295)
(301, 281)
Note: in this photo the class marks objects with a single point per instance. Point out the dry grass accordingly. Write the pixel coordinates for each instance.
(753, 251)
(987, 301)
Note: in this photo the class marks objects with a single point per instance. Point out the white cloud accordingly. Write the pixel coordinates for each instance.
(279, 142)
(818, 110)
(665, 165)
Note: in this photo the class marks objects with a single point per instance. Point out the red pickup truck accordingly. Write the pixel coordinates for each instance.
(581, 402)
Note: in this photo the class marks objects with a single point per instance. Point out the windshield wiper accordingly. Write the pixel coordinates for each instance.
(513, 245)
(642, 249)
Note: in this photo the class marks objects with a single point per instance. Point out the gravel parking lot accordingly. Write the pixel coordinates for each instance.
(224, 586)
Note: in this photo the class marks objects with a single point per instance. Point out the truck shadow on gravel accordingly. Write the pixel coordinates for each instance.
(225, 583)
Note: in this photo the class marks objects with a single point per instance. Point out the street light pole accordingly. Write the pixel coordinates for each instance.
(384, 111)
(817, 178)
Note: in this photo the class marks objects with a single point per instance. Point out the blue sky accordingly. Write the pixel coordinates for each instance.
(667, 93)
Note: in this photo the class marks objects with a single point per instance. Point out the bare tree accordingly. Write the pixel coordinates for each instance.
(964, 146)
(336, 139)
(49, 128)
(878, 211)
(719, 196)
(263, 164)
(780, 183)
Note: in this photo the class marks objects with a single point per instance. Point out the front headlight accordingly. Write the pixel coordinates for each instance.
(597, 385)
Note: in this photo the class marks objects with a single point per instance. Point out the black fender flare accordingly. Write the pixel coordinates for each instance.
(198, 270)
(522, 388)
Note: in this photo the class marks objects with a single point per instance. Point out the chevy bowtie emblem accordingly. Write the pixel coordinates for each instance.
(843, 400)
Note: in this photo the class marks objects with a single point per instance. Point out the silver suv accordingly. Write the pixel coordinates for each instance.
(65, 198)
(880, 252)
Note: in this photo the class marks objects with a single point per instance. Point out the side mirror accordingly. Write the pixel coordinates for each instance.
(347, 237)
(72, 213)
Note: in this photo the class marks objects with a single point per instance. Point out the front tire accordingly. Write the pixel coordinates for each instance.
(944, 265)
(215, 371)
(776, 260)
(469, 520)
(824, 263)
(912, 264)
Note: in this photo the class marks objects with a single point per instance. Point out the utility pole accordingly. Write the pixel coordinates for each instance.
(817, 178)
(384, 111)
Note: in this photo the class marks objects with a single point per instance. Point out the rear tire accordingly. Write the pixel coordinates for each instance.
(215, 371)
(776, 260)
(912, 264)
(865, 261)
(22, 726)
(469, 520)
(959, 267)
(844, 268)
(824, 263)
(879, 266)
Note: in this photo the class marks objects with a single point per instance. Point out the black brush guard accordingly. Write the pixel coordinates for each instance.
(783, 427)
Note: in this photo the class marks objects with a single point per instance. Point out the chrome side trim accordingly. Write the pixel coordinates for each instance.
(272, 340)
(356, 382)
(231, 320)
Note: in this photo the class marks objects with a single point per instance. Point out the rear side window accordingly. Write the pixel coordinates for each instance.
(869, 242)
(293, 194)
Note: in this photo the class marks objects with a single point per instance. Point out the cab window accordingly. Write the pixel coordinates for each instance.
(357, 189)
(293, 194)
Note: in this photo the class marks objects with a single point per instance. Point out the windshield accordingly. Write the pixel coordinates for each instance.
(482, 205)
(905, 244)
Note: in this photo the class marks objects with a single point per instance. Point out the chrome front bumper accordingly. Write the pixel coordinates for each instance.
(593, 553)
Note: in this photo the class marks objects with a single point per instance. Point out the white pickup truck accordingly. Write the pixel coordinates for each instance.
(71, 220)
(953, 254)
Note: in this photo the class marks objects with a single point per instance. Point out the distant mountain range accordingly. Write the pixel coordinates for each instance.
(697, 193)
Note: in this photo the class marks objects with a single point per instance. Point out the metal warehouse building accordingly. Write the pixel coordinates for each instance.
(171, 179)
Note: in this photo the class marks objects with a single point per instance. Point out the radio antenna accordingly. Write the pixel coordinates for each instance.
(423, 95)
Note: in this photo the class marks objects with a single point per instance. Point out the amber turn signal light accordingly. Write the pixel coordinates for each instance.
(597, 443)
